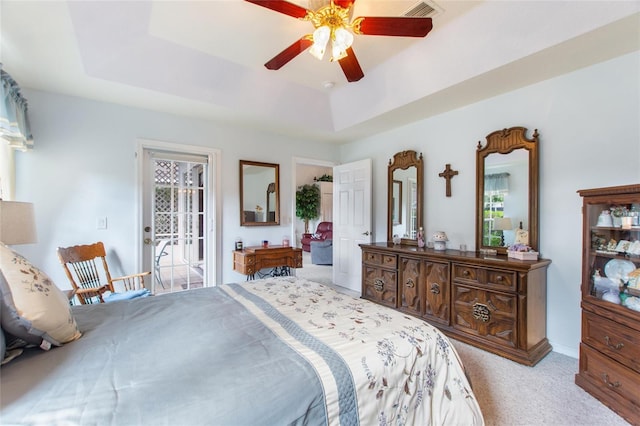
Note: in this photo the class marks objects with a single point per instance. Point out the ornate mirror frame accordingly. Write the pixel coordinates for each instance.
(403, 161)
(260, 185)
(506, 141)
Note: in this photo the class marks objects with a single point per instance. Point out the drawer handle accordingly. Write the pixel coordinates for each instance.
(605, 378)
(378, 284)
(410, 283)
(481, 312)
(616, 347)
(499, 278)
(435, 288)
(465, 273)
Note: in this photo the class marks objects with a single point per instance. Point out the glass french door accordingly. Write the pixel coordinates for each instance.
(175, 227)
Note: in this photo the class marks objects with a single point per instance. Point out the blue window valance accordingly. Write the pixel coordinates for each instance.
(14, 121)
(496, 182)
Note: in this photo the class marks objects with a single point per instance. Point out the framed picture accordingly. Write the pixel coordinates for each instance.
(396, 214)
(522, 237)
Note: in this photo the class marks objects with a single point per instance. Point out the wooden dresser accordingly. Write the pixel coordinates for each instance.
(491, 302)
(610, 346)
(252, 259)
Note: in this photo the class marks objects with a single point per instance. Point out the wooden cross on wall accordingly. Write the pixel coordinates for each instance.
(448, 173)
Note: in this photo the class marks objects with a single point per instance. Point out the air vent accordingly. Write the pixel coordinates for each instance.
(423, 9)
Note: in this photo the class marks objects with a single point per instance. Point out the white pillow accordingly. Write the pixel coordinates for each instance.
(34, 300)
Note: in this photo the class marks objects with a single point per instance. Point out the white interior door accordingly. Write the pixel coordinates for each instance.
(175, 225)
(351, 221)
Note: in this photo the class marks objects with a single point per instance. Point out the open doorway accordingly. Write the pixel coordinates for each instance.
(319, 172)
(178, 206)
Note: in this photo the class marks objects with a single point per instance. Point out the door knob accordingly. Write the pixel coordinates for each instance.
(147, 229)
(365, 233)
(148, 241)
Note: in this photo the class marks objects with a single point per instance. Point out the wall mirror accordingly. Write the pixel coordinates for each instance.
(507, 190)
(404, 196)
(259, 193)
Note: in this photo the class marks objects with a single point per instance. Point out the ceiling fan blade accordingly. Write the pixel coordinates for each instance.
(351, 67)
(393, 26)
(282, 7)
(289, 53)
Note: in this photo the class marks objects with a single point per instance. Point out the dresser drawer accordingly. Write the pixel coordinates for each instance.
(494, 278)
(380, 285)
(490, 315)
(380, 259)
(613, 339)
(610, 377)
(466, 273)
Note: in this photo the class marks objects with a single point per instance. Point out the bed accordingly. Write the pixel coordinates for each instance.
(274, 351)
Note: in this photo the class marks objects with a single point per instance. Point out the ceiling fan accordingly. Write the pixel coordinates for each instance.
(332, 23)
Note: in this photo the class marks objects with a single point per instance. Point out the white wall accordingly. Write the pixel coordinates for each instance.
(589, 137)
(83, 166)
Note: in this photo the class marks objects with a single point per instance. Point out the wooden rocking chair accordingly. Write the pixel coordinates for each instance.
(80, 263)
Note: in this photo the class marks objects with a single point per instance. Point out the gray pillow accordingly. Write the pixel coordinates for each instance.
(3, 346)
(15, 325)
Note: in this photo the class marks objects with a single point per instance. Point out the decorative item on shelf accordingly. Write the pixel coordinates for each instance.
(265, 243)
(440, 240)
(605, 219)
(522, 252)
(324, 178)
(420, 237)
(285, 241)
(396, 239)
(238, 243)
(618, 212)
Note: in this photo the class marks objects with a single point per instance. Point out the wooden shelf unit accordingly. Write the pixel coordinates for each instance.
(610, 346)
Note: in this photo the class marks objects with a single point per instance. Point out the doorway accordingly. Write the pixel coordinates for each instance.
(307, 171)
(177, 216)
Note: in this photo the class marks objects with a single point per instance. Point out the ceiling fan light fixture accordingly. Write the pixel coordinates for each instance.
(320, 39)
(342, 40)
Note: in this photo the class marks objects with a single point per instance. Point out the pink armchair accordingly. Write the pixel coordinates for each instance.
(323, 232)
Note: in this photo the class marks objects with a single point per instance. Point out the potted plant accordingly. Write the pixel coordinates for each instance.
(307, 204)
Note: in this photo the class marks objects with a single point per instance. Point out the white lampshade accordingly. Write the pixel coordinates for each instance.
(320, 39)
(342, 40)
(502, 224)
(17, 223)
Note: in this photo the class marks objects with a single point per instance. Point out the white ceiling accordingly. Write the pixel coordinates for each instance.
(205, 58)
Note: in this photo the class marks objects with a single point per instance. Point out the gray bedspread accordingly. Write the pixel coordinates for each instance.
(225, 355)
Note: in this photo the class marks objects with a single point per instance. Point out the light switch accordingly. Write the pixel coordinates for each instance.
(101, 222)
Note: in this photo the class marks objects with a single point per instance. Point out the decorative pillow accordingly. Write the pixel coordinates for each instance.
(33, 303)
(3, 345)
(316, 236)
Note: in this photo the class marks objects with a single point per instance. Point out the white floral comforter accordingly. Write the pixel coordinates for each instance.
(377, 366)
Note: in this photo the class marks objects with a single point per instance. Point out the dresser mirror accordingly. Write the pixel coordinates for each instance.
(404, 196)
(507, 190)
(259, 193)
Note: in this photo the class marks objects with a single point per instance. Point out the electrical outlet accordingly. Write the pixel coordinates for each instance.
(101, 222)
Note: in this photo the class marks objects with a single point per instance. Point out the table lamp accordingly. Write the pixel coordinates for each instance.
(17, 223)
(502, 224)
